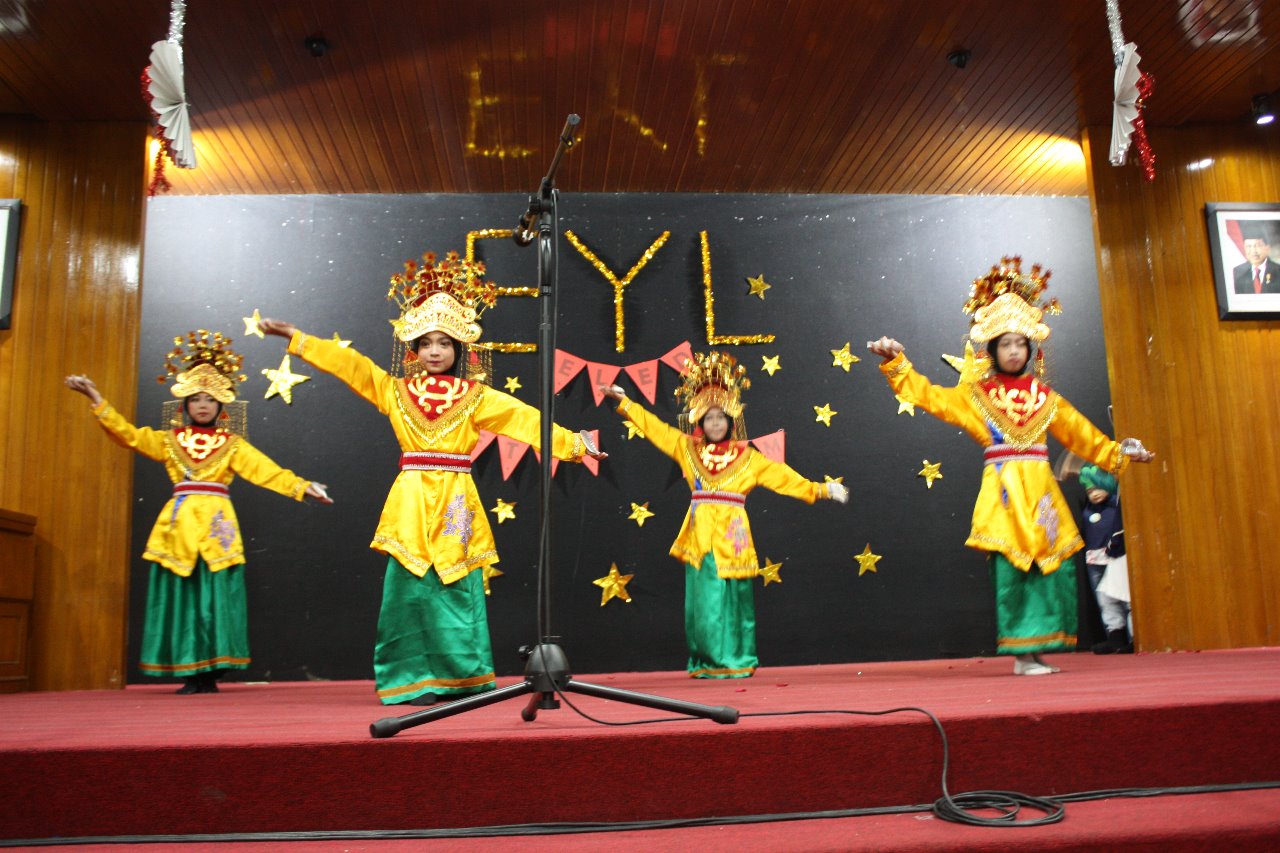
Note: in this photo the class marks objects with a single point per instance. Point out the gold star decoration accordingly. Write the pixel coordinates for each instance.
(930, 472)
(771, 365)
(827, 478)
(639, 512)
(282, 380)
(758, 286)
(825, 413)
(504, 510)
(337, 339)
(972, 367)
(905, 405)
(489, 572)
(770, 572)
(513, 384)
(613, 585)
(633, 430)
(251, 325)
(867, 561)
(843, 358)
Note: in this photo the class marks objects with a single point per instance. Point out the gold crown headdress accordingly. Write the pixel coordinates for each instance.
(203, 361)
(441, 296)
(1009, 300)
(713, 379)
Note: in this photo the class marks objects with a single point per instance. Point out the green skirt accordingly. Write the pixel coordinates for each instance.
(719, 623)
(432, 637)
(195, 624)
(1035, 612)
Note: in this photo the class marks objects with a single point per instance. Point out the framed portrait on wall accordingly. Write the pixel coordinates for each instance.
(10, 209)
(1244, 241)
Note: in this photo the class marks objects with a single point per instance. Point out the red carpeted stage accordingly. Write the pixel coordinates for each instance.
(298, 757)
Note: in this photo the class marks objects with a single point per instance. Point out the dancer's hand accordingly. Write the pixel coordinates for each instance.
(590, 447)
(1133, 448)
(886, 348)
(318, 493)
(838, 492)
(84, 385)
(613, 392)
(281, 328)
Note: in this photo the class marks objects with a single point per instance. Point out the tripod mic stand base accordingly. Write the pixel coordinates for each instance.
(547, 673)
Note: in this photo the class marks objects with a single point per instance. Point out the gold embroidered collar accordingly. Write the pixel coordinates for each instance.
(436, 405)
(716, 464)
(1021, 408)
(196, 446)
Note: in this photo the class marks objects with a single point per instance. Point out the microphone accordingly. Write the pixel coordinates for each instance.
(526, 228)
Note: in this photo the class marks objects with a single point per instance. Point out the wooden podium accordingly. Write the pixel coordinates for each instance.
(17, 588)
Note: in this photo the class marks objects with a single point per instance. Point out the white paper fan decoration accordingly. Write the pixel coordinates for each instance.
(169, 102)
(1126, 103)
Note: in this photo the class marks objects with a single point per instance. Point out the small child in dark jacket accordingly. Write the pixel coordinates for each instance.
(1103, 533)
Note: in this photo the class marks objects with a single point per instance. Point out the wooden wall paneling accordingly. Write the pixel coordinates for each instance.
(75, 310)
(1202, 522)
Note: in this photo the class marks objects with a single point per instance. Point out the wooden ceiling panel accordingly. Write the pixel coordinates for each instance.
(675, 95)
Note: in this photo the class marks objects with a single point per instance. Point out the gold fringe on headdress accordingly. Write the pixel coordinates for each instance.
(1008, 300)
(203, 361)
(713, 379)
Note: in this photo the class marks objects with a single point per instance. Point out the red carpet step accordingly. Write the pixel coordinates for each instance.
(297, 756)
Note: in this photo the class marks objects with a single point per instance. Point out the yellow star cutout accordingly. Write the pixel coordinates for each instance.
(633, 431)
(827, 478)
(251, 325)
(972, 367)
(930, 472)
(843, 358)
(513, 384)
(770, 572)
(905, 405)
(771, 365)
(867, 561)
(489, 572)
(825, 414)
(337, 339)
(639, 512)
(613, 585)
(282, 381)
(504, 510)
(758, 286)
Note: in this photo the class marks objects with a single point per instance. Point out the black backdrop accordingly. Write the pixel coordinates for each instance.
(842, 268)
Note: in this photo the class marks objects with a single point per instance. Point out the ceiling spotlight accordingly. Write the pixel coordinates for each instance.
(959, 58)
(1262, 112)
(316, 45)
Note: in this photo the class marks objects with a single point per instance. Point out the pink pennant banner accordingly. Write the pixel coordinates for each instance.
(601, 374)
(510, 452)
(486, 439)
(679, 358)
(645, 375)
(567, 367)
(773, 445)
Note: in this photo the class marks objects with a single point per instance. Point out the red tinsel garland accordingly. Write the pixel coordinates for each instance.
(1142, 145)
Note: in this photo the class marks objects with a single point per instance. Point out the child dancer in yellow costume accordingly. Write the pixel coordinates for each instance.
(715, 541)
(196, 618)
(1020, 518)
(433, 635)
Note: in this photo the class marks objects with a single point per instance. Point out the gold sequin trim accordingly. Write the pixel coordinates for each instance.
(712, 481)
(1043, 639)
(442, 683)
(902, 367)
(1021, 559)
(430, 432)
(448, 574)
(174, 668)
(175, 565)
(203, 470)
(702, 673)
(733, 571)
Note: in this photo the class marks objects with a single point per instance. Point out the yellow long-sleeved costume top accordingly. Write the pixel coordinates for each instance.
(434, 519)
(199, 525)
(1020, 511)
(713, 527)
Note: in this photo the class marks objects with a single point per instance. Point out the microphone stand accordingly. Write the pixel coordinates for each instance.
(547, 670)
